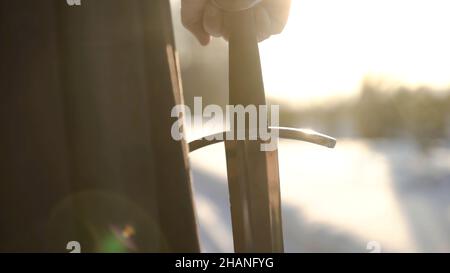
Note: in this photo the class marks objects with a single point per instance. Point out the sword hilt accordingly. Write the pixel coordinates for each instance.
(246, 83)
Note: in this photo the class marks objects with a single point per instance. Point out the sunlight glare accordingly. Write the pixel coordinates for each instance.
(329, 47)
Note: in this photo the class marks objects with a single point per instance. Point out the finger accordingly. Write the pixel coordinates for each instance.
(279, 13)
(213, 20)
(192, 19)
(197, 29)
(263, 23)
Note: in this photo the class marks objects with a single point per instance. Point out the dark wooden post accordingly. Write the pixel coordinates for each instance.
(86, 98)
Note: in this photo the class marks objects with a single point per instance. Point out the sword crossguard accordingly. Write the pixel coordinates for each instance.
(306, 135)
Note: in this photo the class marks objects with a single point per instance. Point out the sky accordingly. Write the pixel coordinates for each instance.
(330, 47)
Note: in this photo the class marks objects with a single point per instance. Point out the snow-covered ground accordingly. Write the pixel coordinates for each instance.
(339, 200)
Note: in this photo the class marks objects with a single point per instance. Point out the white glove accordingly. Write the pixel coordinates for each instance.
(205, 18)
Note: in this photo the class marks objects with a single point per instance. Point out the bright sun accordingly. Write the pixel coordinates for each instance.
(329, 47)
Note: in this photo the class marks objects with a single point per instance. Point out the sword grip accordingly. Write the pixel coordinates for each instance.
(245, 78)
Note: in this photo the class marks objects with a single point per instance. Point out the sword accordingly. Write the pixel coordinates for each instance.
(253, 179)
(253, 174)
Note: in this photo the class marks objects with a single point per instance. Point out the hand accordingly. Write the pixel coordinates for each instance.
(204, 19)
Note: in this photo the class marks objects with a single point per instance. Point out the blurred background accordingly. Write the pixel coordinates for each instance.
(375, 75)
